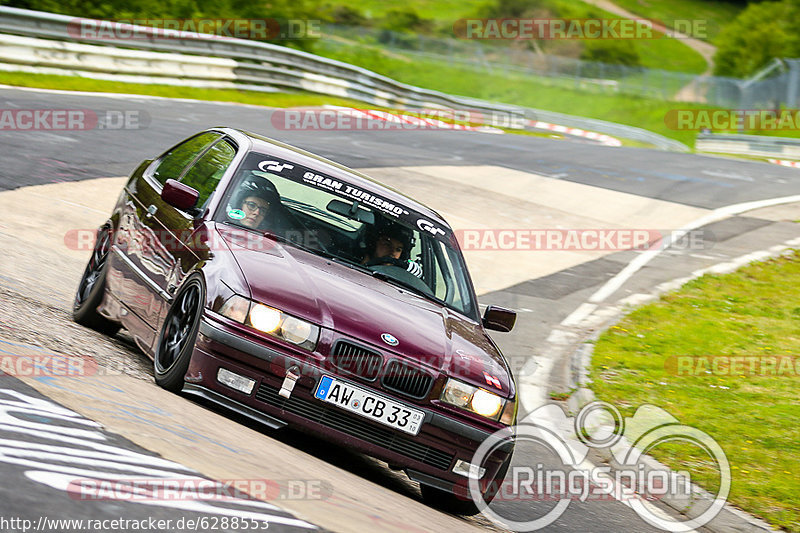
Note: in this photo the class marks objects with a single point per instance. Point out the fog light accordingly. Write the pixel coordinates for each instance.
(235, 381)
(466, 469)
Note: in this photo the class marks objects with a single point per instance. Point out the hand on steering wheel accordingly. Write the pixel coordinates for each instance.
(387, 260)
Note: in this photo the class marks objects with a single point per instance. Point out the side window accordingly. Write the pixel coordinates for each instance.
(205, 174)
(178, 158)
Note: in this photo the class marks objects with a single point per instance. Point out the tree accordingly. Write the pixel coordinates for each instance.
(761, 32)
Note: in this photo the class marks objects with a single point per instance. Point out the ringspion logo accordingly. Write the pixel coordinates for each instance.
(568, 476)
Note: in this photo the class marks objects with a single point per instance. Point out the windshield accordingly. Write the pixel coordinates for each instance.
(351, 225)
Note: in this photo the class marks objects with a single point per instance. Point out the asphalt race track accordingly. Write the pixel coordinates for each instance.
(117, 424)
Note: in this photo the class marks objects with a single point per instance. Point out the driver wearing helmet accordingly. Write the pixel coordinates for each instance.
(391, 245)
(254, 200)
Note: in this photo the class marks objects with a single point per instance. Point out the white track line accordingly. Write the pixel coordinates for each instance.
(612, 285)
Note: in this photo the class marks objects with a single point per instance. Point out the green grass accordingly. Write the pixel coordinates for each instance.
(543, 93)
(558, 99)
(659, 53)
(528, 91)
(562, 95)
(716, 13)
(73, 83)
(669, 54)
(754, 311)
(440, 11)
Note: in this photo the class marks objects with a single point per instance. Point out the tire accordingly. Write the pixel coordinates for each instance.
(178, 335)
(92, 287)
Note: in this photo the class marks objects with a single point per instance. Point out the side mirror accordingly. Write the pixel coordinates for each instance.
(499, 318)
(179, 195)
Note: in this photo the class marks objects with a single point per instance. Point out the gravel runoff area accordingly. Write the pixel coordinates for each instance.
(27, 321)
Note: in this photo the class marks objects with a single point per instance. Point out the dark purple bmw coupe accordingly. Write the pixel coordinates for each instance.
(296, 291)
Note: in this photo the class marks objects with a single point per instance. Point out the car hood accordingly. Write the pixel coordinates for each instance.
(355, 304)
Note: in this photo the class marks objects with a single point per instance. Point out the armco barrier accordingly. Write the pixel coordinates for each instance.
(42, 42)
(757, 145)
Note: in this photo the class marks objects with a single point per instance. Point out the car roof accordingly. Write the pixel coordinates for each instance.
(332, 169)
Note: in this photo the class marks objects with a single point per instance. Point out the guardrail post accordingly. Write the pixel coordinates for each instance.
(793, 83)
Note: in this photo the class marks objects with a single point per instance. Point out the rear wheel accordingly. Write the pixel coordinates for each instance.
(178, 334)
(91, 289)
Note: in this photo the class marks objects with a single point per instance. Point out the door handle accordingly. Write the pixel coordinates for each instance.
(151, 211)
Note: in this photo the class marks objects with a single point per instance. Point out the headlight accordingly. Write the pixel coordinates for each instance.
(236, 308)
(472, 398)
(486, 404)
(265, 318)
(272, 321)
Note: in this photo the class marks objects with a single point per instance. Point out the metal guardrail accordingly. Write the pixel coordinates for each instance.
(757, 145)
(254, 65)
(611, 128)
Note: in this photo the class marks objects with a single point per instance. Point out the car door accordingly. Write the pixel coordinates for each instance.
(178, 226)
(144, 262)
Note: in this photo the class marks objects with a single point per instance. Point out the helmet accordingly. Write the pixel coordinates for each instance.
(392, 230)
(258, 187)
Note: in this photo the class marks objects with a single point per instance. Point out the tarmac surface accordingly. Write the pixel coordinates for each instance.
(54, 182)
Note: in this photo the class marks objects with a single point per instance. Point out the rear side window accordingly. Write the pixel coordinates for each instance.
(172, 164)
(205, 174)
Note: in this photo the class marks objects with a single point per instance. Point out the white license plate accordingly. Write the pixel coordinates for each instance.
(369, 405)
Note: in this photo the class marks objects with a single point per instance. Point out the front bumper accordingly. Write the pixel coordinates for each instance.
(427, 457)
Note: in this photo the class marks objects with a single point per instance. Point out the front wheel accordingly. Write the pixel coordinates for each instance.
(178, 334)
(90, 291)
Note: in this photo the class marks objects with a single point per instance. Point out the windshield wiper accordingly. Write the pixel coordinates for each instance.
(319, 252)
(342, 261)
(282, 239)
(399, 283)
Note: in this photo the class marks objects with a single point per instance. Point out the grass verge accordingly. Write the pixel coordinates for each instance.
(529, 91)
(656, 53)
(715, 13)
(752, 415)
(75, 83)
(542, 93)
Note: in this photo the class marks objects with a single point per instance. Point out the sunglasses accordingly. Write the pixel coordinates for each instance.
(252, 206)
